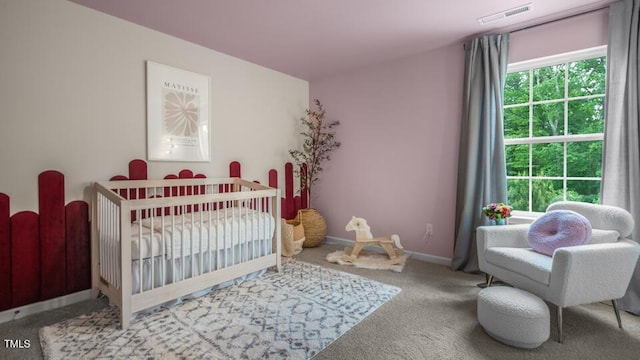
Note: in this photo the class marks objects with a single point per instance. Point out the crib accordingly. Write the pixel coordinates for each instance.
(154, 241)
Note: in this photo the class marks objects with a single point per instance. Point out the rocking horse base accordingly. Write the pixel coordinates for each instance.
(368, 260)
(386, 243)
(350, 258)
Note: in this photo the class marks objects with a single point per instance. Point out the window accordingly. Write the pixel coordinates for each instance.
(554, 129)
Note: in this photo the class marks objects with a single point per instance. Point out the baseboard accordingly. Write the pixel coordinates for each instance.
(26, 310)
(412, 254)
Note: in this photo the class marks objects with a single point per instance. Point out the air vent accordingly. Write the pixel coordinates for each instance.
(505, 14)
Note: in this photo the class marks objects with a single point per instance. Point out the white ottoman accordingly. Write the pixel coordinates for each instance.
(514, 317)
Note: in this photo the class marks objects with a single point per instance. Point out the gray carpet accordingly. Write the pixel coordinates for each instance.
(434, 317)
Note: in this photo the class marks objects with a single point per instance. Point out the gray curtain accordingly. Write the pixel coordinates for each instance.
(621, 158)
(482, 177)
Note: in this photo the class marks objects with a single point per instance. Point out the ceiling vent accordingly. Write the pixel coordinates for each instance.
(505, 14)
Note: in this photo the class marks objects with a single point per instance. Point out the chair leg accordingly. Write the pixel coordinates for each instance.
(559, 324)
(489, 279)
(615, 309)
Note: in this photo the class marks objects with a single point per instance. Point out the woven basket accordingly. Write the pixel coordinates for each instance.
(315, 228)
(292, 237)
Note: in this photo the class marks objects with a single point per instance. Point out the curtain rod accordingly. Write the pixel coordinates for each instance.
(560, 19)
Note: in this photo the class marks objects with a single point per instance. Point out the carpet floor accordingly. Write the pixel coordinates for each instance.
(433, 317)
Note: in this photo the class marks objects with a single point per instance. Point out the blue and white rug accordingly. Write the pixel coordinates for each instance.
(293, 314)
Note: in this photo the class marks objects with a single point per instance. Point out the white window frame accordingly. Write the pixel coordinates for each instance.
(530, 65)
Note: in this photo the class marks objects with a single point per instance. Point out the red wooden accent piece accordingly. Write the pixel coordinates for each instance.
(137, 170)
(234, 169)
(185, 174)
(297, 203)
(5, 253)
(220, 204)
(186, 190)
(273, 182)
(25, 249)
(273, 178)
(173, 190)
(52, 234)
(304, 191)
(122, 192)
(170, 192)
(288, 190)
(202, 189)
(78, 246)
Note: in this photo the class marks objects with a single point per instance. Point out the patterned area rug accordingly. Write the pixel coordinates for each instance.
(292, 314)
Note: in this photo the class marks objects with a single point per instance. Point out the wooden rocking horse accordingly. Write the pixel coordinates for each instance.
(364, 238)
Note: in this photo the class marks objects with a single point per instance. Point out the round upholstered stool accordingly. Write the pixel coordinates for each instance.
(514, 317)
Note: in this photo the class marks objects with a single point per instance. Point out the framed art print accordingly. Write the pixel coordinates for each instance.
(178, 115)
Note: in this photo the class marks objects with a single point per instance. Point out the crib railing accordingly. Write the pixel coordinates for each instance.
(149, 235)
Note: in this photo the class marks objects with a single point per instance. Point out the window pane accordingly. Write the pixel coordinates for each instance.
(516, 122)
(547, 159)
(517, 157)
(569, 99)
(584, 159)
(548, 83)
(516, 88)
(584, 190)
(586, 116)
(587, 77)
(545, 192)
(548, 119)
(518, 194)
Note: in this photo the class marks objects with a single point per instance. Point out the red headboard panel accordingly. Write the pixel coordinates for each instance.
(44, 255)
(25, 251)
(78, 249)
(5, 253)
(52, 234)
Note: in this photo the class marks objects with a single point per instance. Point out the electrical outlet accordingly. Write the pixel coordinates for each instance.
(429, 229)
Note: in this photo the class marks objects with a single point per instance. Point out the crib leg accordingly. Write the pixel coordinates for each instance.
(125, 320)
(125, 316)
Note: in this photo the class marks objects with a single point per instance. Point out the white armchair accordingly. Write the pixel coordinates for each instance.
(598, 271)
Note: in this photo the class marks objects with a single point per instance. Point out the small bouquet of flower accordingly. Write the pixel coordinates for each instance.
(497, 211)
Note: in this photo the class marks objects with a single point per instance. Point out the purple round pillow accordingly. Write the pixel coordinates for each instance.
(558, 228)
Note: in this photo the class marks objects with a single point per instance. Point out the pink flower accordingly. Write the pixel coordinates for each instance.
(497, 211)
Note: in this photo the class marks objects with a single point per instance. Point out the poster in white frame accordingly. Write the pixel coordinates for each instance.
(178, 114)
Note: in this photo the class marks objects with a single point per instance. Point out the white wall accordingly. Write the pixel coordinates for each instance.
(72, 99)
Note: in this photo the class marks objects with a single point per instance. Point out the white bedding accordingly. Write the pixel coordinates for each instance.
(227, 228)
(171, 270)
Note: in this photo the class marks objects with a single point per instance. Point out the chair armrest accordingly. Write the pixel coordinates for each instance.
(502, 236)
(590, 273)
(514, 236)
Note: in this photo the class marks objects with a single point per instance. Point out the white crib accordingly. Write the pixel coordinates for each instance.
(154, 241)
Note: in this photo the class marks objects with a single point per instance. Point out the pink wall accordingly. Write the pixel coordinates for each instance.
(580, 32)
(397, 166)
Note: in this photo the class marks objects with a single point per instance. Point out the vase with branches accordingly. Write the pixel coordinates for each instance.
(319, 142)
